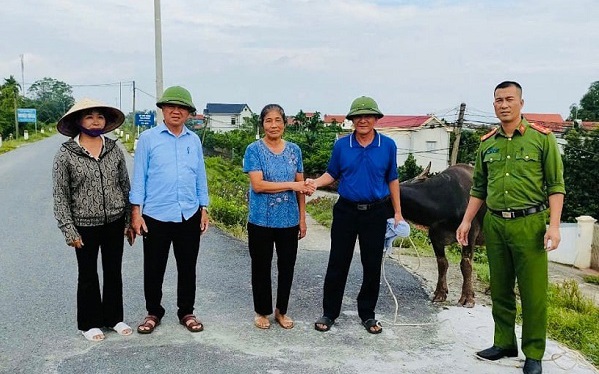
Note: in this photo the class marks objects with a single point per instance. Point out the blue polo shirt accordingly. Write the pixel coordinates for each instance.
(169, 175)
(364, 173)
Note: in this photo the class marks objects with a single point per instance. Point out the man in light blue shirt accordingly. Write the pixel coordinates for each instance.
(170, 187)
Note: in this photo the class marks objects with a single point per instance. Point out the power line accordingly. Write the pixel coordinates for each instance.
(127, 83)
(144, 92)
(432, 151)
(481, 111)
(437, 113)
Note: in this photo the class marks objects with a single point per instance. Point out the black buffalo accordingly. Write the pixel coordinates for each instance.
(439, 202)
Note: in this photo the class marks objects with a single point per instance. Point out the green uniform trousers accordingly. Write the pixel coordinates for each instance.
(515, 251)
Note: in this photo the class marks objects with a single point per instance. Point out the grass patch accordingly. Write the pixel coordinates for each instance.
(321, 209)
(594, 279)
(9, 145)
(573, 320)
(126, 135)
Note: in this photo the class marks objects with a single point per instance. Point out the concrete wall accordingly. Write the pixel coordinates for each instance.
(595, 248)
(415, 142)
(578, 241)
(566, 252)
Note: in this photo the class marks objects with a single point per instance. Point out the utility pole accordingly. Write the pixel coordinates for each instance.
(134, 124)
(23, 74)
(158, 53)
(16, 119)
(458, 133)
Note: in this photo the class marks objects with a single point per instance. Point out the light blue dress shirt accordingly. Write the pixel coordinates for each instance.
(169, 175)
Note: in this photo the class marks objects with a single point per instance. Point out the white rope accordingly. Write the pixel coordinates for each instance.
(394, 323)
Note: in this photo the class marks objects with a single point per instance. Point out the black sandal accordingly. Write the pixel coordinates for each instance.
(370, 323)
(324, 320)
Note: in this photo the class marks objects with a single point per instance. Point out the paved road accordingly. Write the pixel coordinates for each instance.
(38, 331)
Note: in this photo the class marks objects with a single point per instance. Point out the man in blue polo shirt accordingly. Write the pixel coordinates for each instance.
(170, 186)
(365, 165)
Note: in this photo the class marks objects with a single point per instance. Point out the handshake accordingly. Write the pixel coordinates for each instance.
(306, 187)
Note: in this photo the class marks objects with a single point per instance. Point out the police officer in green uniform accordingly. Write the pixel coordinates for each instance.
(519, 174)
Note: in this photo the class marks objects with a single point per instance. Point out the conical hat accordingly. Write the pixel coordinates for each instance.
(67, 124)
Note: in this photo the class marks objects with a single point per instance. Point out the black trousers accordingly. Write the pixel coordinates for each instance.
(95, 309)
(260, 242)
(369, 227)
(185, 238)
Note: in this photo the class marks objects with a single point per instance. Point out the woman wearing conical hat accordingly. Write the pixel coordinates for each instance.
(91, 205)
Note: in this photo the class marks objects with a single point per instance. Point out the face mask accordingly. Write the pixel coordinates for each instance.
(93, 133)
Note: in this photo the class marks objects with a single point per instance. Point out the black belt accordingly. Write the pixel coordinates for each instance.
(364, 206)
(516, 213)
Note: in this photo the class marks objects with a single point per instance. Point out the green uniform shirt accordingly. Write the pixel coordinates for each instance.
(518, 172)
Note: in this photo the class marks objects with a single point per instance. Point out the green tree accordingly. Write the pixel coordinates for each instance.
(300, 120)
(9, 98)
(581, 175)
(230, 144)
(410, 169)
(252, 123)
(315, 140)
(52, 98)
(469, 142)
(588, 109)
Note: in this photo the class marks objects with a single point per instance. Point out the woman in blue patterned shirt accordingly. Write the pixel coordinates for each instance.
(277, 214)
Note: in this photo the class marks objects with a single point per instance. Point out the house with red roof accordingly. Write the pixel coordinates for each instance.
(556, 123)
(291, 119)
(424, 136)
(197, 121)
(585, 125)
(552, 121)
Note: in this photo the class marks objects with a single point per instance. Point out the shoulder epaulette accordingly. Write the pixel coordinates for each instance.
(539, 128)
(489, 134)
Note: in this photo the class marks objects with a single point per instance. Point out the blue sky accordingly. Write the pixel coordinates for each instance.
(413, 57)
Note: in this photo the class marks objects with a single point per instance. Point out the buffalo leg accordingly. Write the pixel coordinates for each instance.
(441, 291)
(442, 265)
(467, 298)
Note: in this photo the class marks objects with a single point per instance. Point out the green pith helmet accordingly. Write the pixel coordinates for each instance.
(176, 95)
(364, 105)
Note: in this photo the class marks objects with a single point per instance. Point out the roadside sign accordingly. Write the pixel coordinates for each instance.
(144, 119)
(26, 115)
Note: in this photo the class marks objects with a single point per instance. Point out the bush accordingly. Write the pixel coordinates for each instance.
(228, 212)
(228, 187)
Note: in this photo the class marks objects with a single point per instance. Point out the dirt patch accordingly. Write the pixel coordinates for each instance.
(425, 268)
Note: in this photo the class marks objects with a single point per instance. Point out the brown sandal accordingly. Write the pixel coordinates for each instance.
(261, 322)
(148, 325)
(194, 324)
(283, 320)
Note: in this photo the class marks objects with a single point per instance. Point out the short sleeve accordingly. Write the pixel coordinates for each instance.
(251, 159)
